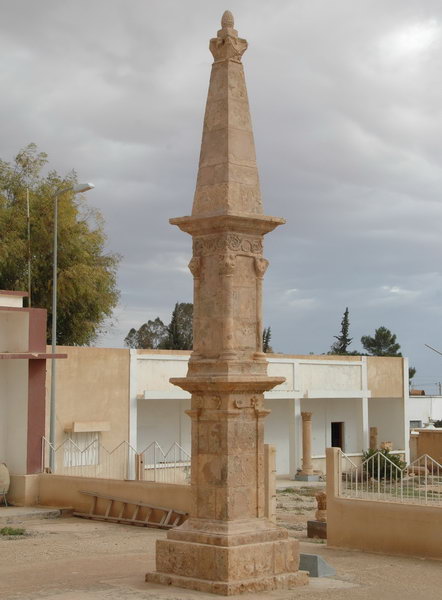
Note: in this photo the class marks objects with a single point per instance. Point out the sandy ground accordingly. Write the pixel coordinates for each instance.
(70, 559)
(294, 507)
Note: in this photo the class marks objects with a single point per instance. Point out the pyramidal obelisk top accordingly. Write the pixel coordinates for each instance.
(228, 181)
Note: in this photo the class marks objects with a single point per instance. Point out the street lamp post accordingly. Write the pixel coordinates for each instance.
(76, 188)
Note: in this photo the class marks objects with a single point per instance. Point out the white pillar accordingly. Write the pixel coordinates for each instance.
(133, 407)
(365, 426)
(405, 411)
(364, 408)
(295, 436)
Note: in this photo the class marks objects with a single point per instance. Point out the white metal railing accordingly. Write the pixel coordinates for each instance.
(378, 478)
(123, 462)
(171, 466)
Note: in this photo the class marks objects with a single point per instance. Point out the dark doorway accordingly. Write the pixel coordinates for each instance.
(337, 435)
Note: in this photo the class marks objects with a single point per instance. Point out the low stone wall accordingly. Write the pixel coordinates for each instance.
(62, 490)
(379, 526)
(47, 489)
(427, 441)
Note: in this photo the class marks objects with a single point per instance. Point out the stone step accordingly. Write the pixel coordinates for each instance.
(12, 515)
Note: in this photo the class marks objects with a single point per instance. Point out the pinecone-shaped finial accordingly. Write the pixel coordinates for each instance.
(227, 20)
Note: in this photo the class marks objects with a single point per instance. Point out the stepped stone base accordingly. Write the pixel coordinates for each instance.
(223, 588)
(228, 558)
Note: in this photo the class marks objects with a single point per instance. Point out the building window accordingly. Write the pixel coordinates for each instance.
(417, 424)
(337, 435)
(82, 449)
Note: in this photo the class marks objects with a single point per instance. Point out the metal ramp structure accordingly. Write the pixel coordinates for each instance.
(131, 512)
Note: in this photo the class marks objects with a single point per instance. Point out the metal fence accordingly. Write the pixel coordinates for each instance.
(379, 478)
(123, 462)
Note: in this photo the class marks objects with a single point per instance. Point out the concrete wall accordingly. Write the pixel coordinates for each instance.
(14, 414)
(429, 441)
(95, 384)
(164, 421)
(385, 376)
(325, 411)
(92, 385)
(63, 491)
(388, 417)
(14, 328)
(383, 527)
(276, 432)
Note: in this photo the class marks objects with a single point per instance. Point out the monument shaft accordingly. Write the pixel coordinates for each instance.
(227, 546)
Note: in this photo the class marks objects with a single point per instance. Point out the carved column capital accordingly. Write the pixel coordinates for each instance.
(306, 416)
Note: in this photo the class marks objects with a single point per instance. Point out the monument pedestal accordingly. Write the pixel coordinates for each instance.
(228, 558)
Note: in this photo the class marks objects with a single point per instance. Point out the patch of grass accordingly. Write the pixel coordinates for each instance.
(309, 491)
(10, 531)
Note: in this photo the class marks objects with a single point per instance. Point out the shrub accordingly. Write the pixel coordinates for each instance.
(12, 531)
(381, 468)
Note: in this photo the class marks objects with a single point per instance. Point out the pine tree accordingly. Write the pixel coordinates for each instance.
(155, 334)
(266, 335)
(382, 344)
(343, 340)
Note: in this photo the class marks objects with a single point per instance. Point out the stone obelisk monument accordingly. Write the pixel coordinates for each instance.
(227, 546)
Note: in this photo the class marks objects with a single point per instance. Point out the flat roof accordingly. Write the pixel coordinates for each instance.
(13, 293)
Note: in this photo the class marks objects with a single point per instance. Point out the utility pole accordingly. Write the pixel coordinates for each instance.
(28, 216)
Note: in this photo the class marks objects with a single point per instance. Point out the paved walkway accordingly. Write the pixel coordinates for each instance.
(282, 484)
(75, 559)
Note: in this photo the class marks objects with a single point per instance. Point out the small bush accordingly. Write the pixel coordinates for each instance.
(379, 468)
(12, 531)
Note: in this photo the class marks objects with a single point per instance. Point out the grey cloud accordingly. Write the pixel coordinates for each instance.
(346, 105)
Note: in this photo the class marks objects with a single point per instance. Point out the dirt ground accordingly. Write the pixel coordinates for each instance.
(294, 507)
(70, 559)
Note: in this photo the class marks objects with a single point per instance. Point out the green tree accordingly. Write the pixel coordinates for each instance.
(266, 336)
(343, 340)
(175, 336)
(150, 335)
(87, 292)
(179, 331)
(382, 344)
(411, 374)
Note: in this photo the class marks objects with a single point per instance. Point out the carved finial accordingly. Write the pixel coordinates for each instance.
(227, 20)
(227, 45)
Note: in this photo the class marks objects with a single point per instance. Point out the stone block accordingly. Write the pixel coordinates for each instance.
(315, 565)
(302, 477)
(317, 529)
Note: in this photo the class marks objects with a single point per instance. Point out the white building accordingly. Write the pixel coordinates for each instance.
(423, 410)
(346, 394)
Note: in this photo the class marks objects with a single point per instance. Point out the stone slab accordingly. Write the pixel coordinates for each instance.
(315, 565)
(300, 477)
(317, 529)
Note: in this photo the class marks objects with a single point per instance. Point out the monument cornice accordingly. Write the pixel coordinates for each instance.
(225, 383)
(244, 223)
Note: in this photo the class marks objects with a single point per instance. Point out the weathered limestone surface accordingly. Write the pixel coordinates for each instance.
(227, 546)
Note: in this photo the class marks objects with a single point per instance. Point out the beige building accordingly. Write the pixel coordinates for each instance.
(118, 394)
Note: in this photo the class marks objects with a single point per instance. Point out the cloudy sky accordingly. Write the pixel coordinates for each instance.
(346, 101)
